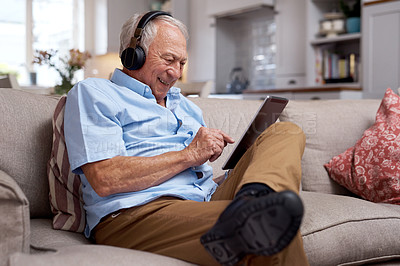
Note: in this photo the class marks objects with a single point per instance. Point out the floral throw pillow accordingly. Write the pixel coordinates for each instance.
(371, 169)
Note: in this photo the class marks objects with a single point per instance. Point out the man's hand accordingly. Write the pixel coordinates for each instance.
(208, 144)
(114, 175)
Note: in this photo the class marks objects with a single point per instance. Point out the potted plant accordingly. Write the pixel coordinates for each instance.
(65, 66)
(352, 14)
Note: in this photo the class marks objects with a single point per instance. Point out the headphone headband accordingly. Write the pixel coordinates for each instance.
(134, 56)
(146, 19)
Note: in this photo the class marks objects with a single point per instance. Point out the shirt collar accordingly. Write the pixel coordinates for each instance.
(122, 79)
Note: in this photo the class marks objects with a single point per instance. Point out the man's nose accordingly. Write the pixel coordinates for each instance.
(175, 70)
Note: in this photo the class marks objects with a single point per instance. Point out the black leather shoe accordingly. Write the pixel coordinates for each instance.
(262, 225)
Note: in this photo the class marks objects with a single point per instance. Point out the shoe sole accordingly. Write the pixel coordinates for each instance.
(265, 227)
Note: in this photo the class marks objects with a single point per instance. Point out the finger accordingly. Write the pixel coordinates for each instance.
(221, 135)
(214, 157)
(217, 151)
(217, 141)
(227, 138)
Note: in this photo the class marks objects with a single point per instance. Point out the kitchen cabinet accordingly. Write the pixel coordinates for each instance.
(330, 92)
(221, 8)
(290, 42)
(381, 47)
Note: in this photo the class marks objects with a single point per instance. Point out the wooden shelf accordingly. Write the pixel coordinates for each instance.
(377, 2)
(339, 38)
(321, 1)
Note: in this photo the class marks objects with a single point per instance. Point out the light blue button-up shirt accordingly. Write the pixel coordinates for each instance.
(106, 118)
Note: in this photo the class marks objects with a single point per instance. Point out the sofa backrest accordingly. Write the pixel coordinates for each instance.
(331, 127)
(25, 144)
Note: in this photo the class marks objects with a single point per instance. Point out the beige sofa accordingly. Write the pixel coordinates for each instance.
(338, 228)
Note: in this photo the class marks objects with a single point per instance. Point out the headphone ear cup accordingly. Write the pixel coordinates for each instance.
(140, 57)
(133, 58)
(128, 57)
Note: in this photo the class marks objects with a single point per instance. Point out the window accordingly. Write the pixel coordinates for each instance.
(31, 25)
(12, 32)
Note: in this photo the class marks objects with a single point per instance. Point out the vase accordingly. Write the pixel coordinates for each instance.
(33, 78)
(64, 87)
(353, 25)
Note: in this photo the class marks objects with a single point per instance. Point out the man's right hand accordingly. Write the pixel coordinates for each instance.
(208, 144)
(114, 175)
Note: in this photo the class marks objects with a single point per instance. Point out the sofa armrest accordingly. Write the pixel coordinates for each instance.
(15, 220)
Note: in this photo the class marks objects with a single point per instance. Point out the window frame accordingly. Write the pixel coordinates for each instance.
(78, 29)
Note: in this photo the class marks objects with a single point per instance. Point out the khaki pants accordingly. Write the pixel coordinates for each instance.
(173, 227)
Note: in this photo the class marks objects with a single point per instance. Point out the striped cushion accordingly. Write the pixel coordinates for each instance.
(65, 187)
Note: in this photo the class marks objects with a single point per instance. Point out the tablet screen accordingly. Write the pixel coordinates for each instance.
(266, 115)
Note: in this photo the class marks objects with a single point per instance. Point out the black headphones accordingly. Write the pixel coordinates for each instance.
(134, 56)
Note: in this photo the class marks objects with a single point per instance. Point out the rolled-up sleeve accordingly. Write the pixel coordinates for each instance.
(92, 128)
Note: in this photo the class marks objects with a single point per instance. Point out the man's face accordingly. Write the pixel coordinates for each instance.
(165, 60)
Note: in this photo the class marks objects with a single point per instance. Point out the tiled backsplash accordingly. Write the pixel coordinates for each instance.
(247, 41)
(263, 58)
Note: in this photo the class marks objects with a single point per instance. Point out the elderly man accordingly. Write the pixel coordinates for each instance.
(141, 150)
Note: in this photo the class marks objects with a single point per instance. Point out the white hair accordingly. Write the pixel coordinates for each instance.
(149, 32)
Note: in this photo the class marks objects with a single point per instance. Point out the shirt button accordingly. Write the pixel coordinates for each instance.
(147, 89)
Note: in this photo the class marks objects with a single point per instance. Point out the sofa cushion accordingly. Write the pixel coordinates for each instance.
(44, 237)
(233, 116)
(25, 144)
(65, 187)
(371, 169)
(94, 255)
(331, 126)
(343, 230)
(14, 223)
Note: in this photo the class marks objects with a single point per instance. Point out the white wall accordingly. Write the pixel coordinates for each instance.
(201, 64)
(105, 37)
(118, 12)
(103, 22)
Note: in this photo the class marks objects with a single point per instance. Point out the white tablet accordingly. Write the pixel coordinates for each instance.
(267, 114)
